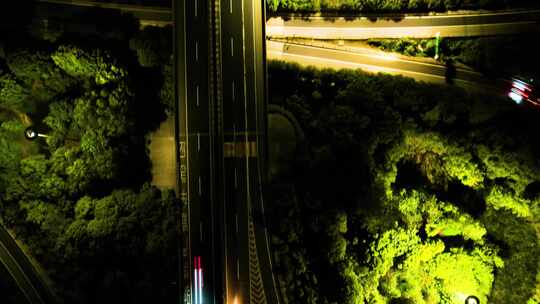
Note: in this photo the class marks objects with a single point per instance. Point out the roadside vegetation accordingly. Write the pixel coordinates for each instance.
(389, 6)
(404, 192)
(80, 198)
(493, 56)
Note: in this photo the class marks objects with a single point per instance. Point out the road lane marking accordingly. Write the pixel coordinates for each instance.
(235, 178)
(232, 46)
(197, 51)
(200, 186)
(198, 141)
(195, 8)
(232, 86)
(240, 148)
(197, 94)
(236, 219)
(201, 231)
(230, 6)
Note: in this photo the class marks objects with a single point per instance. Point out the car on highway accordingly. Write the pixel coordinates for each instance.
(524, 89)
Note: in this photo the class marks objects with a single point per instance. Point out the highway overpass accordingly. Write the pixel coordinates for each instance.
(221, 81)
(221, 136)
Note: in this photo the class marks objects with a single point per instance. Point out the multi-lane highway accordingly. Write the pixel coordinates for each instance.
(221, 81)
(197, 170)
(249, 274)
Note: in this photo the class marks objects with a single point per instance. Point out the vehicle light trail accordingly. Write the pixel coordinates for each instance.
(196, 289)
(200, 281)
(198, 275)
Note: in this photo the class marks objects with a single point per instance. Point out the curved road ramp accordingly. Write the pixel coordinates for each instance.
(32, 286)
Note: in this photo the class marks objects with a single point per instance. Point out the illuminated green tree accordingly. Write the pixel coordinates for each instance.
(38, 72)
(13, 95)
(97, 64)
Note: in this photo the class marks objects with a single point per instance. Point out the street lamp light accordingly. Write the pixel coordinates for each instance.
(32, 134)
(472, 300)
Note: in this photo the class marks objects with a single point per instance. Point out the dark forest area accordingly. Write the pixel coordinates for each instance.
(80, 196)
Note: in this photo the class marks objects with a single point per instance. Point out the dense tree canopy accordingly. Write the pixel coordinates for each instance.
(95, 64)
(405, 192)
(79, 197)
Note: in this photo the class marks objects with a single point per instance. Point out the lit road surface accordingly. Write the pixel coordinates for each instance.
(449, 25)
(202, 258)
(410, 26)
(22, 271)
(248, 267)
(372, 61)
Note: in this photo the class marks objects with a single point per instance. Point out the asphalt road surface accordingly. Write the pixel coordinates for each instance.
(448, 25)
(22, 271)
(375, 61)
(196, 167)
(248, 268)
